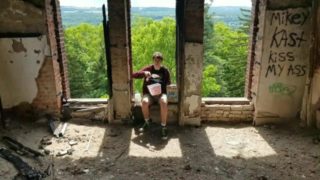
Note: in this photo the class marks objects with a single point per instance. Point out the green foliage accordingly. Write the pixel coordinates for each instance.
(86, 61)
(245, 18)
(230, 56)
(149, 36)
(210, 87)
(225, 54)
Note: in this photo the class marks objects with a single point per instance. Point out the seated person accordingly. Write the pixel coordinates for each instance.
(155, 73)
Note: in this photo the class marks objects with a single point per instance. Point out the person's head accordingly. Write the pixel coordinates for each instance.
(157, 58)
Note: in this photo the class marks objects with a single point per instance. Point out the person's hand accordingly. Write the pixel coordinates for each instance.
(147, 74)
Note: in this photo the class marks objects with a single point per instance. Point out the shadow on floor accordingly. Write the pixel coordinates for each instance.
(212, 151)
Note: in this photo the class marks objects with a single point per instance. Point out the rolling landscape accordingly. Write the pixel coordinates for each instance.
(74, 15)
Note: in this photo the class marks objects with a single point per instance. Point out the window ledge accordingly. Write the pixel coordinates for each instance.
(226, 100)
(88, 100)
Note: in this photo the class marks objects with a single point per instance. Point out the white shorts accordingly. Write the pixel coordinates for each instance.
(155, 99)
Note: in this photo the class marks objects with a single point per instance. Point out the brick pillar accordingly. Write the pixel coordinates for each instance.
(49, 80)
(62, 58)
(119, 48)
(190, 61)
(252, 44)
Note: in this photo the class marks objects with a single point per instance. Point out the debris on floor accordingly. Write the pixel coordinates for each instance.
(25, 170)
(95, 150)
(20, 148)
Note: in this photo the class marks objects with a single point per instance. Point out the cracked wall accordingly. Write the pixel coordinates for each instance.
(21, 17)
(190, 61)
(120, 55)
(191, 103)
(29, 70)
(20, 62)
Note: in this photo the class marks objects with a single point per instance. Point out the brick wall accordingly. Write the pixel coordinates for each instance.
(46, 99)
(223, 112)
(190, 60)
(119, 53)
(62, 58)
(251, 47)
(23, 19)
(258, 49)
(49, 79)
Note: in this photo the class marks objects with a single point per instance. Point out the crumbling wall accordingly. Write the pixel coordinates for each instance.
(282, 64)
(29, 70)
(20, 62)
(120, 102)
(190, 61)
(21, 17)
(191, 102)
(310, 114)
(227, 113)
(317, 65)
(254, 27)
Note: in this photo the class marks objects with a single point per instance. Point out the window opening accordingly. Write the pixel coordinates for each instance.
(84, 43)
(226, 38)
(153, 29)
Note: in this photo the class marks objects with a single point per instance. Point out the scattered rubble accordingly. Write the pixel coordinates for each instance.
(63, 152)
(94, 150)
(72, 143)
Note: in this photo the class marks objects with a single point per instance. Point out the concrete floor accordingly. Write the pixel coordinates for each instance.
(212, 151)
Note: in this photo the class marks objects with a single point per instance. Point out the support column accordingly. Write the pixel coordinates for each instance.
(310, 113)
(120, 102)
(190, 60)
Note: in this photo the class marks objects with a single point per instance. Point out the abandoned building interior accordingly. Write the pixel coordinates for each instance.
(270, 133)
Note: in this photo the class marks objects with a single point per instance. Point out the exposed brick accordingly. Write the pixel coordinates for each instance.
(247, 112)
(235, 112)
(247, 107)
(236, 107)
(219, 112)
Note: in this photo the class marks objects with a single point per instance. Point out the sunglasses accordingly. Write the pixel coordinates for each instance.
(158, 57)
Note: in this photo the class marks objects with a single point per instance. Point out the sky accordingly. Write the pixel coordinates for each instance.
(148, 3)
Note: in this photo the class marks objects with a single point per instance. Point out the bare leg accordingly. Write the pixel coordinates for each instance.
(145, 108)
(164, 110)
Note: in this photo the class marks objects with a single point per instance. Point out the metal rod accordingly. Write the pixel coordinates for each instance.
(19, 35)
(2, 119)
(63, 130)
(106, 34)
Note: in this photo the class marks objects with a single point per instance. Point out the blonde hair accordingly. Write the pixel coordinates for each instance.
(157, 55)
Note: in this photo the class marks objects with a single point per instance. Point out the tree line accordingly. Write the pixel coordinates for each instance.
(225, 55)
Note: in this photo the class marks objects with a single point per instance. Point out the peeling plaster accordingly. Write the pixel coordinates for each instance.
(193, 103)
(194, 56)
(191, 99)
(122, 103)
(21, 17)
(18, 46)
(18, 71)
(192, 75)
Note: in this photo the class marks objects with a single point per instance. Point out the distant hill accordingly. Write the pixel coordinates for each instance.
(72, 16)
